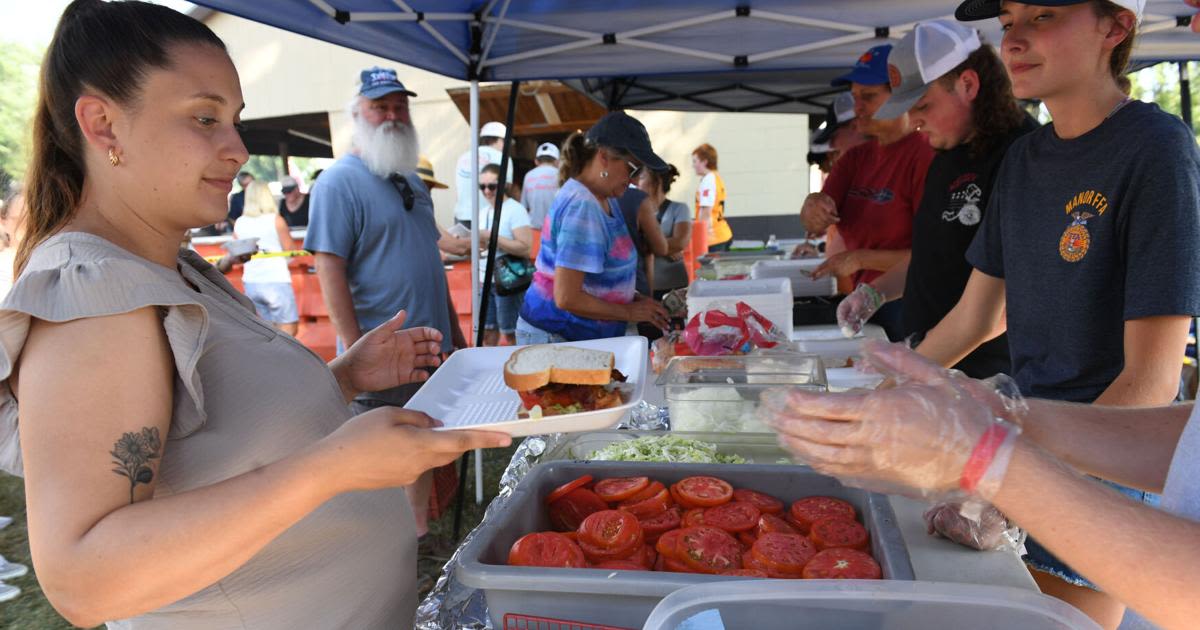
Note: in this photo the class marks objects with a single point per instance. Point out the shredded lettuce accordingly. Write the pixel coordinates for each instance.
(666, 448)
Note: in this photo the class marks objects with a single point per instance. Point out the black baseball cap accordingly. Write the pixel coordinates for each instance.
(376, 82)
(619, 130)
(971, 10)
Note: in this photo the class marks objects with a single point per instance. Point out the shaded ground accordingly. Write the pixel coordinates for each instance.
(31, 611)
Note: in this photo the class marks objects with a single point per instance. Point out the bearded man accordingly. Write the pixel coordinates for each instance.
(372, 228)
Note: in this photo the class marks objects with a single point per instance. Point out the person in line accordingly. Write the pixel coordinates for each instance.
(836, 135)
(294, 205)
(676, 226)
(237, 200)
(583, 286)
(372, 229)
(710, 200)
(491, 148)
(541, 185)
(970, 117)
(874, 189)
(186, 465)
(513, 238)
(450, 244)
(12, 231)
(268, 281)
(1082, 255)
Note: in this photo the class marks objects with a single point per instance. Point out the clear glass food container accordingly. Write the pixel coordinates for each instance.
(721, 394)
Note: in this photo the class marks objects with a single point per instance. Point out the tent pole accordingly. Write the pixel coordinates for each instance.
(474, 210)
(1185, 95)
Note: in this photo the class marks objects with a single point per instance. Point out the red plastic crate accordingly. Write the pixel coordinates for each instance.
(513, 621)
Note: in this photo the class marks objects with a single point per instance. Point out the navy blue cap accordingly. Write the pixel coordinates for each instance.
(618, 130)
(870, 69)
(971, 10)
(378, 82)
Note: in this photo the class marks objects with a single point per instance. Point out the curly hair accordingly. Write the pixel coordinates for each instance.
(665, 179)
(995, 112)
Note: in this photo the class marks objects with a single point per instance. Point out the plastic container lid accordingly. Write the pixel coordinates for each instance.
(861, 605)
(799, 272)
(829, 342)
(721, 394)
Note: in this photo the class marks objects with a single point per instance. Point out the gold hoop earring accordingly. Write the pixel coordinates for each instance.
(112, 157)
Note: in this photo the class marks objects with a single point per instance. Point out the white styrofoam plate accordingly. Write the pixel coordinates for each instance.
(468, 391)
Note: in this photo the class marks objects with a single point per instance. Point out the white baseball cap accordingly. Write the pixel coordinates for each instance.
(984, 9)
(546, 149)
(926, 53)
(493, 130)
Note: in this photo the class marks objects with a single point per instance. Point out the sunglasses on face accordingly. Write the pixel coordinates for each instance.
(406, 192)
(634, 168)
(493, 187)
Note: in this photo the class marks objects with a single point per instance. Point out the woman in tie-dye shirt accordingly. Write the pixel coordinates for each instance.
(584, 284)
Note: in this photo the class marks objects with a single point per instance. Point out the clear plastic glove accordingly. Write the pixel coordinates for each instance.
(974, 524)
(936, 435)
(857, 308)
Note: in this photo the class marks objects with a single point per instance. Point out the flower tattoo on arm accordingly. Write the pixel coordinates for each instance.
(132, 454)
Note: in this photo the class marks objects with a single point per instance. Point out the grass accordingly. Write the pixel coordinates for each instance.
(31, 611)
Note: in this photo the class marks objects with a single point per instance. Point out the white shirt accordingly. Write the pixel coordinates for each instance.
(512, 216)
(262, 269)
(462, 179)
(708, 190)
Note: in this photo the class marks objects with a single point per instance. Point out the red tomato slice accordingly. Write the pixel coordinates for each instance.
(758, 573)
(842, 564)
(620, 565)
(596, 554)
(567, 513)
(644, 556)
(649, 508)
(652, 489)
(734, 516)
(566, 488)
(709, 549)
(809, 510)
(765, 503)
(659, 524)
(614, 490)
(783, 555)
(668, 544)
(693, 517)
(747, 539)
(659, 564)
(546, 549)
(612, 532)
(676, 566)
(769, 523)
(703, 492)
(834, 533)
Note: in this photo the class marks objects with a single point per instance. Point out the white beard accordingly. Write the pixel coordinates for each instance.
(391, 147)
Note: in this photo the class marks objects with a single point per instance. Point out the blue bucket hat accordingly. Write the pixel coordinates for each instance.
(870, 69)
(378, 82)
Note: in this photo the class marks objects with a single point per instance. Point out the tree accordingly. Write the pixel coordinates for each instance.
(18, 75)
(1160, 84)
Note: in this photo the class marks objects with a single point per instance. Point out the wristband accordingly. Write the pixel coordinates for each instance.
(872, 294)
(982, 455)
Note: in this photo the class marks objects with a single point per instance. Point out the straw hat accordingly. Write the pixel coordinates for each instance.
(425, 172)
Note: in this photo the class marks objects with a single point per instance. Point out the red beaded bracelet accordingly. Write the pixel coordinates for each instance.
(981, 457)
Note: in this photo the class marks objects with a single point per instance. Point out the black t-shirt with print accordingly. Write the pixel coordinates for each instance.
(1089, 233)
(957, 189)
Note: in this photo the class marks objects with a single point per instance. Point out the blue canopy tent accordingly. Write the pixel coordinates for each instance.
(710, 55)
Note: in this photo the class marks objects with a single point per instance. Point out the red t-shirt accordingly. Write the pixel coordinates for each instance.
(877, 190)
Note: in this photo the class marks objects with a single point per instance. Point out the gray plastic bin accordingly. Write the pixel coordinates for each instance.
(819, 605)
(625, 598)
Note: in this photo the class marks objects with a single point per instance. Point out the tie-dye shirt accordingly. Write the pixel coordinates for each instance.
(578, 234)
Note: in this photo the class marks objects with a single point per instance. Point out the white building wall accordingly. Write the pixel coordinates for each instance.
(762, 156)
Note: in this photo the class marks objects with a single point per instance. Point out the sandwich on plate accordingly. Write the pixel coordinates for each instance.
(555, 380)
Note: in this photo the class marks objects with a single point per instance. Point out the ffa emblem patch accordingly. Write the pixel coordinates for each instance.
(1073, 245)
(894, 76)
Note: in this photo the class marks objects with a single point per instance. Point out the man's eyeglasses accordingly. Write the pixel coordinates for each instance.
(492, 187)
(405, 190)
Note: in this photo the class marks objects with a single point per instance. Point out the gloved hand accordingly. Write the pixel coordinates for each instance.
(857, 308)
(935, 435)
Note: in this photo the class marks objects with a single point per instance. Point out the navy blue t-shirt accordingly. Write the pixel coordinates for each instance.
(1089, 233)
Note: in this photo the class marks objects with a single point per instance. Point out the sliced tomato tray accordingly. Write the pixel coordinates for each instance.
(609, 565)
